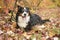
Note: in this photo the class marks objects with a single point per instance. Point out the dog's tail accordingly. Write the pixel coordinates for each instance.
(44, 21)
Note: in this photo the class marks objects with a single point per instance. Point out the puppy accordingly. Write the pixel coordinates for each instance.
(26, 20)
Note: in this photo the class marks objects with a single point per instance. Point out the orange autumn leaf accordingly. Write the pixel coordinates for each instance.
(51, 33)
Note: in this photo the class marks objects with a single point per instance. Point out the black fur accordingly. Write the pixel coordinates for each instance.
(34, 20)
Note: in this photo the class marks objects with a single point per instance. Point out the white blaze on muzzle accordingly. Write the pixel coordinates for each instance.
(24, 14)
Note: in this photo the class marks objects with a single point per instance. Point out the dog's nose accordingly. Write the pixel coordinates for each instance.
(24, 14)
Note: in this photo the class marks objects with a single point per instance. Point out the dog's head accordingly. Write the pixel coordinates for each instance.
(23, 11)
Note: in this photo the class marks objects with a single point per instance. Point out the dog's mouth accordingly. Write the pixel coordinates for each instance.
(23, 16)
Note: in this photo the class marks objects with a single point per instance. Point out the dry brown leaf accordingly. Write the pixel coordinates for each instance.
(51, 33)
(13, 25)
(26, 35)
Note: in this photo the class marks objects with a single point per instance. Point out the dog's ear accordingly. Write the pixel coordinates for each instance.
(19, 6)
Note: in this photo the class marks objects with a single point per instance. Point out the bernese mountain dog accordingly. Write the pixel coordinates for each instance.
(26, 20)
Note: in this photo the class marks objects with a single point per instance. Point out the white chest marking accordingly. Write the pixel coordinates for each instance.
(23, 22)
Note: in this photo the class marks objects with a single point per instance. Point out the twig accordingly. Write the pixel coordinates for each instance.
(13, 11)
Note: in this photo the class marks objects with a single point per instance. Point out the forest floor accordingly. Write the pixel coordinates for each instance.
(47, 31)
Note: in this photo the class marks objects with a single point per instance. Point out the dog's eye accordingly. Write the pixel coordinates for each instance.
(20, 11)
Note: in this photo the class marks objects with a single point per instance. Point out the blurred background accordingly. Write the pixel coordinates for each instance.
(46, 9)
